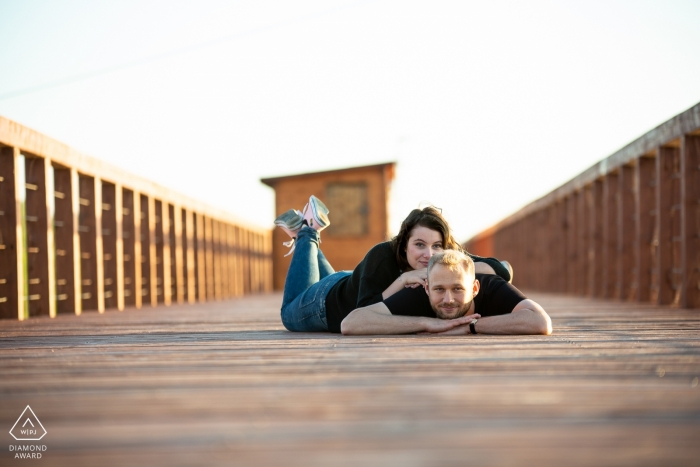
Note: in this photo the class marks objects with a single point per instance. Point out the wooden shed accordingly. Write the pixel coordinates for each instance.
(357, 199)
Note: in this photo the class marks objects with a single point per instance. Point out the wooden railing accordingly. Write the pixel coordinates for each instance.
(627, 228)
(77, 234)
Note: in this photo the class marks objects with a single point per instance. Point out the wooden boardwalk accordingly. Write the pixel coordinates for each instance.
(224, 384)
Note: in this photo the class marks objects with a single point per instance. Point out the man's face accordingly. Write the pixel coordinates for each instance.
(451, 293)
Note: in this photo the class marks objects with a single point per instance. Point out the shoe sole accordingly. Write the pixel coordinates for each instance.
(319, 211)
(289, 219)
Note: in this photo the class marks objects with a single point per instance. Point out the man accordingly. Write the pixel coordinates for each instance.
(455, 301)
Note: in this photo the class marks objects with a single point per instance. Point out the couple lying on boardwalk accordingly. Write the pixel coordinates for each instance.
(419, 282)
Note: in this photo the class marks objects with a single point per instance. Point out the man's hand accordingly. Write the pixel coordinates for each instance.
(446, 326)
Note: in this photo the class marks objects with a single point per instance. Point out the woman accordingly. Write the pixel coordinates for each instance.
(316, 298)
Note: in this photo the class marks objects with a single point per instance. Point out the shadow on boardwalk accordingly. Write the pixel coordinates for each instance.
(225, 384)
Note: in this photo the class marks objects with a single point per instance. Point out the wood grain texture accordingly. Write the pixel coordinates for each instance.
(225, 384)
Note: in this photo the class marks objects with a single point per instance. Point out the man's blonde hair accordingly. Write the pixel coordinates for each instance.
(453, 260)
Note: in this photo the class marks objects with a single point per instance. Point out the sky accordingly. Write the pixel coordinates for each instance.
(485, 106)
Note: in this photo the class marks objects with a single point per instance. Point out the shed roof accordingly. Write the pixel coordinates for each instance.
(271, 181)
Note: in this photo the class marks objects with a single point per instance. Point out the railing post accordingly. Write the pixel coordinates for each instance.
(167, 253)
(223, 238)
(216, 255)
(129, 235)
(178, 239)
(88, 240)
(646, 213)
(119, 239)
(582, 242)
(590, 239)
(138, 257)
(190, 268)
(690, 179)
(41, 292)
(209, 248)
(237, 264)
(571, 256)
(77, 247)
(610, 225)
(99, 246)
(65, 233)
(109, 244)
(161, 241)
(200, 242)
(153, 222)
(626, 233)
(147, 250)
(13, 302)
(668, 201)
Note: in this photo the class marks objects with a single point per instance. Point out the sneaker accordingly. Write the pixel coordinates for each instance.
(507, 265)
(316, 214)
(290, 221)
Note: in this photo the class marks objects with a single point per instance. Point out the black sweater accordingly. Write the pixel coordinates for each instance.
(370, 278)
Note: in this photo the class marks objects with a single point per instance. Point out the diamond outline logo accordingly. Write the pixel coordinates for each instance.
(30, 422)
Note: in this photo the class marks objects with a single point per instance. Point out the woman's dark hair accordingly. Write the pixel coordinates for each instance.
(430, 218)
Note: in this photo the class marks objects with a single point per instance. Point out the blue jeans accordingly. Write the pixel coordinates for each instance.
(309, 279)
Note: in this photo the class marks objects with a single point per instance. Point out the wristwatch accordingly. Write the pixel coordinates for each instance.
(472, 326)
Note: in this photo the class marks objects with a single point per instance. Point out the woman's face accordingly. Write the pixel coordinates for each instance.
(422, 244)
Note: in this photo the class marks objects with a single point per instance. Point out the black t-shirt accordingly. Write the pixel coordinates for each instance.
(370, 279)
(496, 297)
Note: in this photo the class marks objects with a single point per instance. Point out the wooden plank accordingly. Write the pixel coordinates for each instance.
(38, 223)
(216, 258)
(691, 220)
(668, 229)
(12, 277)
(191, 256)
(200, 255)
(178, 254)
(646, 213)
(571, 257)
(583, 242)
(246, 261)
(99, 246)
(627, 234)
(147, 251)
(614, 385)
(155, 280)
(599, 239)
(119, 239)
(238, 261)
(130, 235)
(66, 234)
(161, 239)
(591, 217)
(88, 243)
(109, 229)
(209, 258)
(611, 257)
(77, 248)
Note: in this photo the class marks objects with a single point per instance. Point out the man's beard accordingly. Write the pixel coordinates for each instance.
(461, 312)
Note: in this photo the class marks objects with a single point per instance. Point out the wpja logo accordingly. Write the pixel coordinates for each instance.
(28, 428)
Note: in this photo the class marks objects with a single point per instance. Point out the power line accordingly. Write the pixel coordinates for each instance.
(172, 53)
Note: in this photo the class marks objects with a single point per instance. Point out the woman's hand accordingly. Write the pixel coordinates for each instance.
(415, 278)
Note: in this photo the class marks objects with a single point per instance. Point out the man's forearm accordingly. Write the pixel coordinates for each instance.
(364, 321)
(526, 321)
